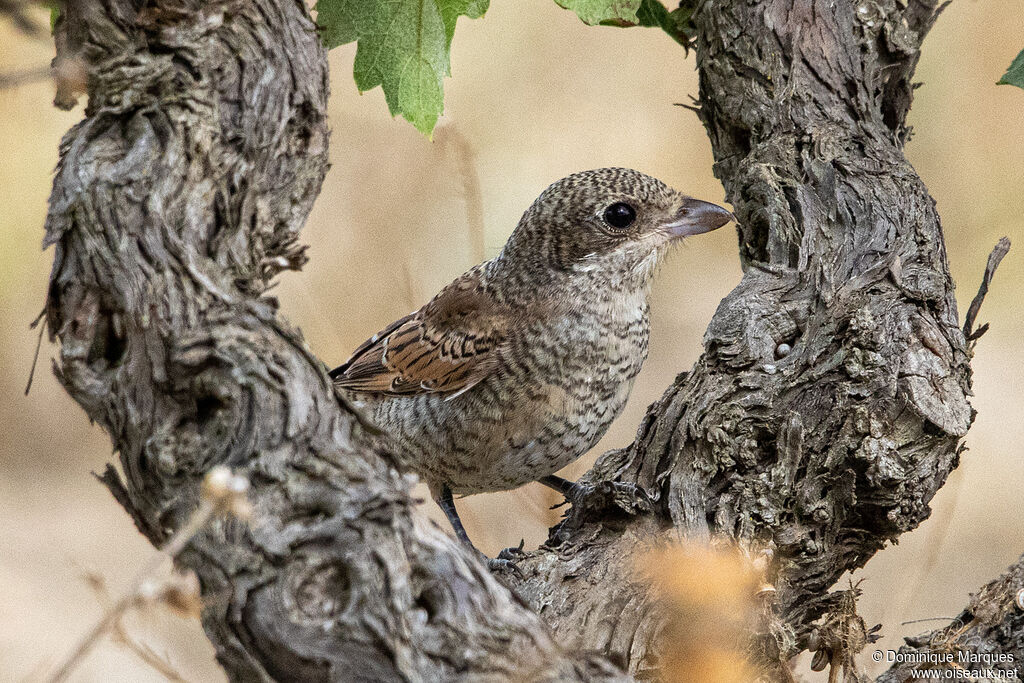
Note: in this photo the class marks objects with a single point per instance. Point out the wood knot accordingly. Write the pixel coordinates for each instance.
(319, 590)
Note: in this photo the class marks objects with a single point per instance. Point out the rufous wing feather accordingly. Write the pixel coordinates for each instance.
(446, 347)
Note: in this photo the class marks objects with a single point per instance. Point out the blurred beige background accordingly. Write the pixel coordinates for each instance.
(535, 95)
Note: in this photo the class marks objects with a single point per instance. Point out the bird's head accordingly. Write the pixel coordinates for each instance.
(612, 223)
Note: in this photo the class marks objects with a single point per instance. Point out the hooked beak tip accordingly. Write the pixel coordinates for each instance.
(696, 217)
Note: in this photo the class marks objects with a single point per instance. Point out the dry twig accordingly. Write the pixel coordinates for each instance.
(14, 79)
(222, 493)
(462, 152)
(158, 663)
(15, 12)
(994, 258)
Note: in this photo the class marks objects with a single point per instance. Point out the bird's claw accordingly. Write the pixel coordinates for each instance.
(506, 561)
(500, 565)
(515, 553)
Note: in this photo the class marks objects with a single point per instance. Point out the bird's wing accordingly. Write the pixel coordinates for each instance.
(446, 347)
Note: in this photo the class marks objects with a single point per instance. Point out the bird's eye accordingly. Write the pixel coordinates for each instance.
(620, 215)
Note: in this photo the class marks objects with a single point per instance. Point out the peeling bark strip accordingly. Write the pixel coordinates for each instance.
(824, 415)
(177, 200)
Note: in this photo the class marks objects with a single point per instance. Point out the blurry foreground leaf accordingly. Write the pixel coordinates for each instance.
(1015, 74)
(404, 47)
(710, 598)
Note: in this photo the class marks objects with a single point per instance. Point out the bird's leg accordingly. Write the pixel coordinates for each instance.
(570, 489)
(505, 559)
(601, 495)
(447, 505)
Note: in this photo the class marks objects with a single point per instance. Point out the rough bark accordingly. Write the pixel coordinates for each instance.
(177, 200)
(987, 635)
(180, 197)
(820, 451)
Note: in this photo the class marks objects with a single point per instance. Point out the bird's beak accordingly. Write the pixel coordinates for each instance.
(695, 217)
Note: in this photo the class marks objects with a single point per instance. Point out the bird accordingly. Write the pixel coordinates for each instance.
(518, 367)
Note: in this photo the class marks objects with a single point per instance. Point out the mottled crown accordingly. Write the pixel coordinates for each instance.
(566, 224)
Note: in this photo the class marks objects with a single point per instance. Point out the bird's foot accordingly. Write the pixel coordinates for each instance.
(506, 560)
(604, 495)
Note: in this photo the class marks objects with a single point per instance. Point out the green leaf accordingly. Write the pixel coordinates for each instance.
(54, 7)
(653, 13)
(675, 23)
(404, 47)
(683, 29)
(420, 94)
(1015, 74)
(614, 12)
(625, 13)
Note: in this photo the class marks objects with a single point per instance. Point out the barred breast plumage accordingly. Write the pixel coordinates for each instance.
(557, 382)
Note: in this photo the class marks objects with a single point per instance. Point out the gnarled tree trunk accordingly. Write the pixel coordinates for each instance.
(823, 416)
